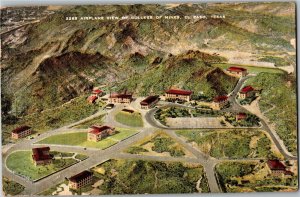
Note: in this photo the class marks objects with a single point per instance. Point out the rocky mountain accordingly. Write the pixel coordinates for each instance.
(47, 63)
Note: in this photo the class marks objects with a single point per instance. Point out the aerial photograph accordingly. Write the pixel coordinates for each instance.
(149, 99)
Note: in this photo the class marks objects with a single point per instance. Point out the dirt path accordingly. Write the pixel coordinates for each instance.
(198, 188)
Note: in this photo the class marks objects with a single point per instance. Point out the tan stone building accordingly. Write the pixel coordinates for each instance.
(120, 98)
(21, 132)
(219, 102)
(96, 133)
(246, 92)
(178, 94)
(80, 180)
(237, 71)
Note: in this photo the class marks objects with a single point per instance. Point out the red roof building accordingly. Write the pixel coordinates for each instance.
(220, 102)
(219, 99)
(247, 89)
(241, 116)
(240, 72)
(41, 156)
(246, 92)
(92, 99)
(80, 180)
(276, 165)
(21, 132)
(96, 133)
(97, 92)
(277, 168)
(178, 94)
(149, 102)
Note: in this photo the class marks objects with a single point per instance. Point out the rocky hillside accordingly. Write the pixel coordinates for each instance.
(47, 63)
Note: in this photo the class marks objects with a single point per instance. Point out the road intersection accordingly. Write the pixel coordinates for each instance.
(97, 156)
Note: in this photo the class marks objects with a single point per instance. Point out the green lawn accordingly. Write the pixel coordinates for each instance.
(69, 113)
(134, 119)
(251, 69)
(21, 163)
(80, 139)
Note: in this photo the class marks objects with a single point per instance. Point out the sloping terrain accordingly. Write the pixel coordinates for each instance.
(52, 61)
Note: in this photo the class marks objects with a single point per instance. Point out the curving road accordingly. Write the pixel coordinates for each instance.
(97, 156)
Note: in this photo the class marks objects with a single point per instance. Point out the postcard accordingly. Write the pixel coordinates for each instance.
(149, 99)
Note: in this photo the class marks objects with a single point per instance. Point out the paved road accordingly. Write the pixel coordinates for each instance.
(97, 156)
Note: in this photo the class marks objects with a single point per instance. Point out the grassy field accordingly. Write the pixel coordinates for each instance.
(251, 69)
(133, 120)
(21, 163)
(231, 143)
(279, 90)
(11, 187)
(80, 139)
(71, 112)
(139, 177)
(252, 177)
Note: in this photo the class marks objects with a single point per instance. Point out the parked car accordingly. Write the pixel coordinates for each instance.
(109, 106)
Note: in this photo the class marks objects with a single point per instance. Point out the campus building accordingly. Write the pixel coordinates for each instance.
(149, 102)
(92, 99)
(237, 71)
(124, 98)
(41, 156)
(80, 180)
(96, 133)
(21, 132)
(246, 92)
(97, 92)
(178, 94)
(240, 116)
(219, 102)
(277, 168)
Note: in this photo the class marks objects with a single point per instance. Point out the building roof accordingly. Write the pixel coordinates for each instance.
(236, 69)
(128, 110)
(275, 165)
(122, 95)
(97, 91)
(220, 98)
(98, 129)
(179, 92)
(40, 154)
(92, 98)
(149, 100)
(247, 89)
(21, 129)
(241, 116)
(80, 176)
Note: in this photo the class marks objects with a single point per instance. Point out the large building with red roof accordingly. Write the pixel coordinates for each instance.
(97, 92)
(92, 99)
(124, 98)
(96, 133)
(238, 71)
(80, 180)
(178, 94)
(220, 102)
(246, 92)
(21, 132)
(41, 156)
(277, 168)
(149, 102)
